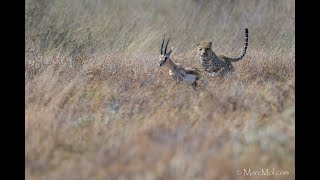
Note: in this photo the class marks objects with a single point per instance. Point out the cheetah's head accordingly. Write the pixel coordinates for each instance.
(204, 49)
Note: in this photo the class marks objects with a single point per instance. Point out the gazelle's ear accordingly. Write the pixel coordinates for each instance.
(210, 44)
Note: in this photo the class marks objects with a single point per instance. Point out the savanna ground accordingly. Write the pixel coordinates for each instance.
(98, 106)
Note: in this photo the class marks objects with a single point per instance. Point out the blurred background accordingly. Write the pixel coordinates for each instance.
(99, 107)
(137, 26)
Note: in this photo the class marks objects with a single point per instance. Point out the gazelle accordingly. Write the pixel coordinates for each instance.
(177, 72)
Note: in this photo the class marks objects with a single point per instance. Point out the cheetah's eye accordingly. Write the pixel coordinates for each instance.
(200, 49)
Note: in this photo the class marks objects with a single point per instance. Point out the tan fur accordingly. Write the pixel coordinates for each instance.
(176, 71)
(214, 65)
(179, 73)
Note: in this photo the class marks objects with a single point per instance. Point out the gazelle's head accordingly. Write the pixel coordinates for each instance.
(164, 55)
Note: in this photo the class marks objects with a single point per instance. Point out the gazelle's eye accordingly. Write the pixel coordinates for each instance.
(165, 58)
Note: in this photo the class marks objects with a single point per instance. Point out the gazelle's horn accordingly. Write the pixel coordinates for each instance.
(165, 50)
(161, 49)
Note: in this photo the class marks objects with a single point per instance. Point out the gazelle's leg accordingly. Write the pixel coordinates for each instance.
(194, 84)
(171, 75)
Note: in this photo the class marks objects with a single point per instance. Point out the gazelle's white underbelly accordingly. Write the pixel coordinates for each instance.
(189, 78)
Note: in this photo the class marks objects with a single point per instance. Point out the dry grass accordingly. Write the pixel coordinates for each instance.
(99, 107)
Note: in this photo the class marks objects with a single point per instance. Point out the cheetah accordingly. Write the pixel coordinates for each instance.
(214, 65)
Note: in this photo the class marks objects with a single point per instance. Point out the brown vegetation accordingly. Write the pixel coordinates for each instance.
(99, 107)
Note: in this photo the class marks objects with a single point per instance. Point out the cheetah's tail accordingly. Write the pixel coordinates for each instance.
(245, 47)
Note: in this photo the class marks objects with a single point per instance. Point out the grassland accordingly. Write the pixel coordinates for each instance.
(98, 106)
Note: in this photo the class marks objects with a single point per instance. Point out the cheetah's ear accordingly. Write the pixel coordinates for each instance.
(210, 44)
(198, 44)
